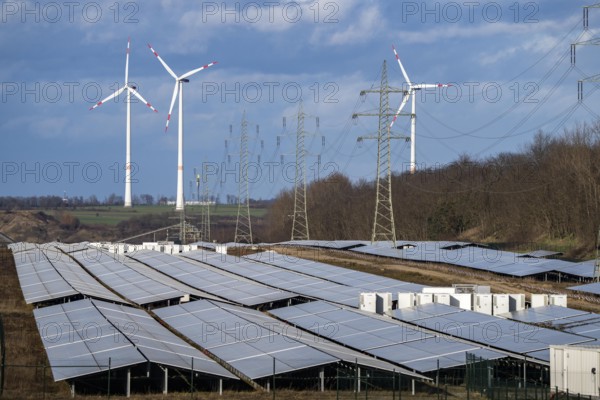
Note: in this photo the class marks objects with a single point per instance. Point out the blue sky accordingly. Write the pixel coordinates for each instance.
(509, 63)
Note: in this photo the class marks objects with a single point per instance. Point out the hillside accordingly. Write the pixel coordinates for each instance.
(546, 195)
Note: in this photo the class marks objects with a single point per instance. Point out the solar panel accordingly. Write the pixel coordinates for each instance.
(225, 286)
(308, 286)
(124, 280)
(156, 342)
(475, 257)
(335, 350)
(387, 339)
(593, 288)
(80, 337)
(80, 341)
(242, 343)
(344, 276)
(492, 331)
(39, 280)
(544, 314)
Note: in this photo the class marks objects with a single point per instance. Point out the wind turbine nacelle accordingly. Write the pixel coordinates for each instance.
(185, 80)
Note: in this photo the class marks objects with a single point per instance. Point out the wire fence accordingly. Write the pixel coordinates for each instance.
(340, 382)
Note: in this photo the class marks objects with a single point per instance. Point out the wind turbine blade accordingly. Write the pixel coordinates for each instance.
(175, 91)
(192, 72)
(169, 70)
(127, 63)
(401, 66)
(139, 96)
(430, 85)
(404, 101)
(112, 96)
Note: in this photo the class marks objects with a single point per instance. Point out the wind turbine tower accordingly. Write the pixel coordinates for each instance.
(178, 90)
(411, 92)
(131, 90)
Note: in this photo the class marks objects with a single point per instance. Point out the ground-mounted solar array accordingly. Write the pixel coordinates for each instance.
(488, 330)
(250, 348)
(344, 276)
(387, 339)
(90, 336)
(218, 325)
(48, 274)
(280, 278)
(128, 282)
(465, 254)
(217, 283)
(565, 319)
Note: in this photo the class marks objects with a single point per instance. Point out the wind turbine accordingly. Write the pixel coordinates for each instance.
(412, 88)
(131, 90)
(179, 81)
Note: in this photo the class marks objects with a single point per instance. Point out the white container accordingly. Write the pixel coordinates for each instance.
(368, 302)
(449, 290)
(558, 300)
(500, 304)
(442, 298)
(576, 369)
(424, 298)
(384, 303)
(406, 300)
(516, 302)
(539, 300)
(462, 300)
(483, 289)
(483, 303)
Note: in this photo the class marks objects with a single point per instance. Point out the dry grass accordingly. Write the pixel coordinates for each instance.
(22, 340)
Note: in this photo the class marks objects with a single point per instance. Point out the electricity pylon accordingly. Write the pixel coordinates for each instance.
(300, 218)
(243, 225)
(383, 223)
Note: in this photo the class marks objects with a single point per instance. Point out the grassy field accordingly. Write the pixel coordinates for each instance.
(112, 215)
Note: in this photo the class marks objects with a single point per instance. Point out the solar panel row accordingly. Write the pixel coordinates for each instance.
(390, 340)
(217, 283)
(280, 278)
(126, 281)
(82, 337)
(47, 274)
(464, 254)
(487, 330)
(344, 276)
(563, 318)
(247, 346)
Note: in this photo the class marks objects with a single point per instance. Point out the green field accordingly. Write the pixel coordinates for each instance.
(105, 215)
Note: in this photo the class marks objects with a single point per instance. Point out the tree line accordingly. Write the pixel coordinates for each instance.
(548, 191)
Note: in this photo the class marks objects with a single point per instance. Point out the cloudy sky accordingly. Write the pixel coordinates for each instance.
(509, 63)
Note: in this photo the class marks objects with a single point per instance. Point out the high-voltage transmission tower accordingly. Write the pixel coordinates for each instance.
(591, 42)
(300, 226)
(243, 225)
(300, 218)
(204, 203)
(383, 223)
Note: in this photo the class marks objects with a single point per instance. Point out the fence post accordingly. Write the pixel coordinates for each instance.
(109, 366)
(394, 384)
(337, 384)
(437, 379)
(273, 378)
(399, 385)
(44, 380)
(192, 380)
